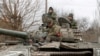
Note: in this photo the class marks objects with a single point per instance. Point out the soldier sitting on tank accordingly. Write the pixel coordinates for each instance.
(54, 33)
(50, 15)
(73, 24)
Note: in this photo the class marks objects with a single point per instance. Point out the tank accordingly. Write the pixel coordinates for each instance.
(68, 45)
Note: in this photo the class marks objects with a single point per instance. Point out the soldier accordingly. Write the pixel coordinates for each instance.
(53, 31)
(73, 24)
(50, 15)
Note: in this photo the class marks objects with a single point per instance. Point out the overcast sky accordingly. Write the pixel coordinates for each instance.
(81, 8)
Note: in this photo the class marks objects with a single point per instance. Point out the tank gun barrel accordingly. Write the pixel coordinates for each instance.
(13, 33)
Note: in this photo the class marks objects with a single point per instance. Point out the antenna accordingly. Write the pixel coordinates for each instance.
(46, 5)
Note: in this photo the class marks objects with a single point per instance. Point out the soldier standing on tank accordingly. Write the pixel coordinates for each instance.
(73, 23)
(54, 33)
(50, 15)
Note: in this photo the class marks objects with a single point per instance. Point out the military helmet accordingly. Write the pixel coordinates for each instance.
(50, 8)
(70, 15)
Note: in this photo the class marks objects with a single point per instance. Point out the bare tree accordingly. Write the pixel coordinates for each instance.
(83, 24)
(20, 14)
(96, 23)
(96, 27)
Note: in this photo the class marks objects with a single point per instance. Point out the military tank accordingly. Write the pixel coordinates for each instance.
(68, 45)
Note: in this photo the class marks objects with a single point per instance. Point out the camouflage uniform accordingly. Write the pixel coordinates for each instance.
(54, 30)
(50, 15)
(73, 24)
(54, 33)
(46, 17)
